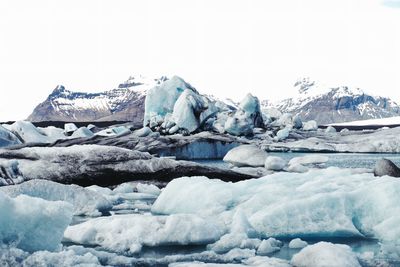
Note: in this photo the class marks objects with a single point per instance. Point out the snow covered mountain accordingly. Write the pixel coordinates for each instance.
(125, 103)
(334, 105)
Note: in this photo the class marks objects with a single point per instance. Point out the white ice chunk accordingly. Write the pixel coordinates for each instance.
(246, 155)
(63, 258)
(299, 168)
(130, 232)
(28, 132)
(297, 243)
(310, 126)
(282, 134)
(53, 133)
(69, 128)
(269, 246)
(309, 159)
(324, 254)
(7, 138)
(148, 189)
(145, 131)
(82, 132)
(121, 130)
(239, 124)
(297, 122)
(275, 163)
(321, 203)
(32, 223)
(85, 202)
(161, 99)
(330, 129)
(186, 108)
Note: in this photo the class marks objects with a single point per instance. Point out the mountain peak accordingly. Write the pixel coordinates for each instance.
(138, 80)
(346, 91)
(304, 85)
(325, 104)
(59, 88)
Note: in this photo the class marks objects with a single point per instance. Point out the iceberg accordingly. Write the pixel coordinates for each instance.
(380, 141)
(84, 201)
(297, 243)
(275, 163)
(186, 110)
(63, 258)
(246, 155)
(309, 160)
(239, 124)
(251, 106)
(53, 133)
(70, 128)
(82, 132)
(246, 118)
(143, 132)
(323, 203)
(325, 254)
(161, 99)
(7, 138)
(282, 134)
(310, 126)
(33, 224)
(269, 246)
(27, 132)
(130, 232)
(330, 129)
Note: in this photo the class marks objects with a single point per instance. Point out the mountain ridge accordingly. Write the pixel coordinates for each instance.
(126, 103)
(334, 105)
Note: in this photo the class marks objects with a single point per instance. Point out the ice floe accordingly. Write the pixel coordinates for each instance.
(84, 201)
(131, 232)
(33, 224)
(329, 202)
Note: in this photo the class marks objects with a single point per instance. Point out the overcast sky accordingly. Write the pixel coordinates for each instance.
(223, 47)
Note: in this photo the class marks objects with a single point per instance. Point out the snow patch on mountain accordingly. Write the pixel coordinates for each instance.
(314, 101)
(124, 103)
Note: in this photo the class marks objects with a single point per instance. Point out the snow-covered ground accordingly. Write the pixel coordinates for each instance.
(382, 122)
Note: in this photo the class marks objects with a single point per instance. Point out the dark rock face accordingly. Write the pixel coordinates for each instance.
(386, 167)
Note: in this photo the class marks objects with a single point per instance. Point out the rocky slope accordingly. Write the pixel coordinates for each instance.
(333, 105)
(125, 103)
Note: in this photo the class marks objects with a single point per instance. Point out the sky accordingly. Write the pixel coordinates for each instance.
(222, 47)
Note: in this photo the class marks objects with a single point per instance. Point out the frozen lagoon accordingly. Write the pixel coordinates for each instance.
(202, 220)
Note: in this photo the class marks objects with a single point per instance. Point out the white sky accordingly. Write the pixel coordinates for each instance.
(223, 47)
